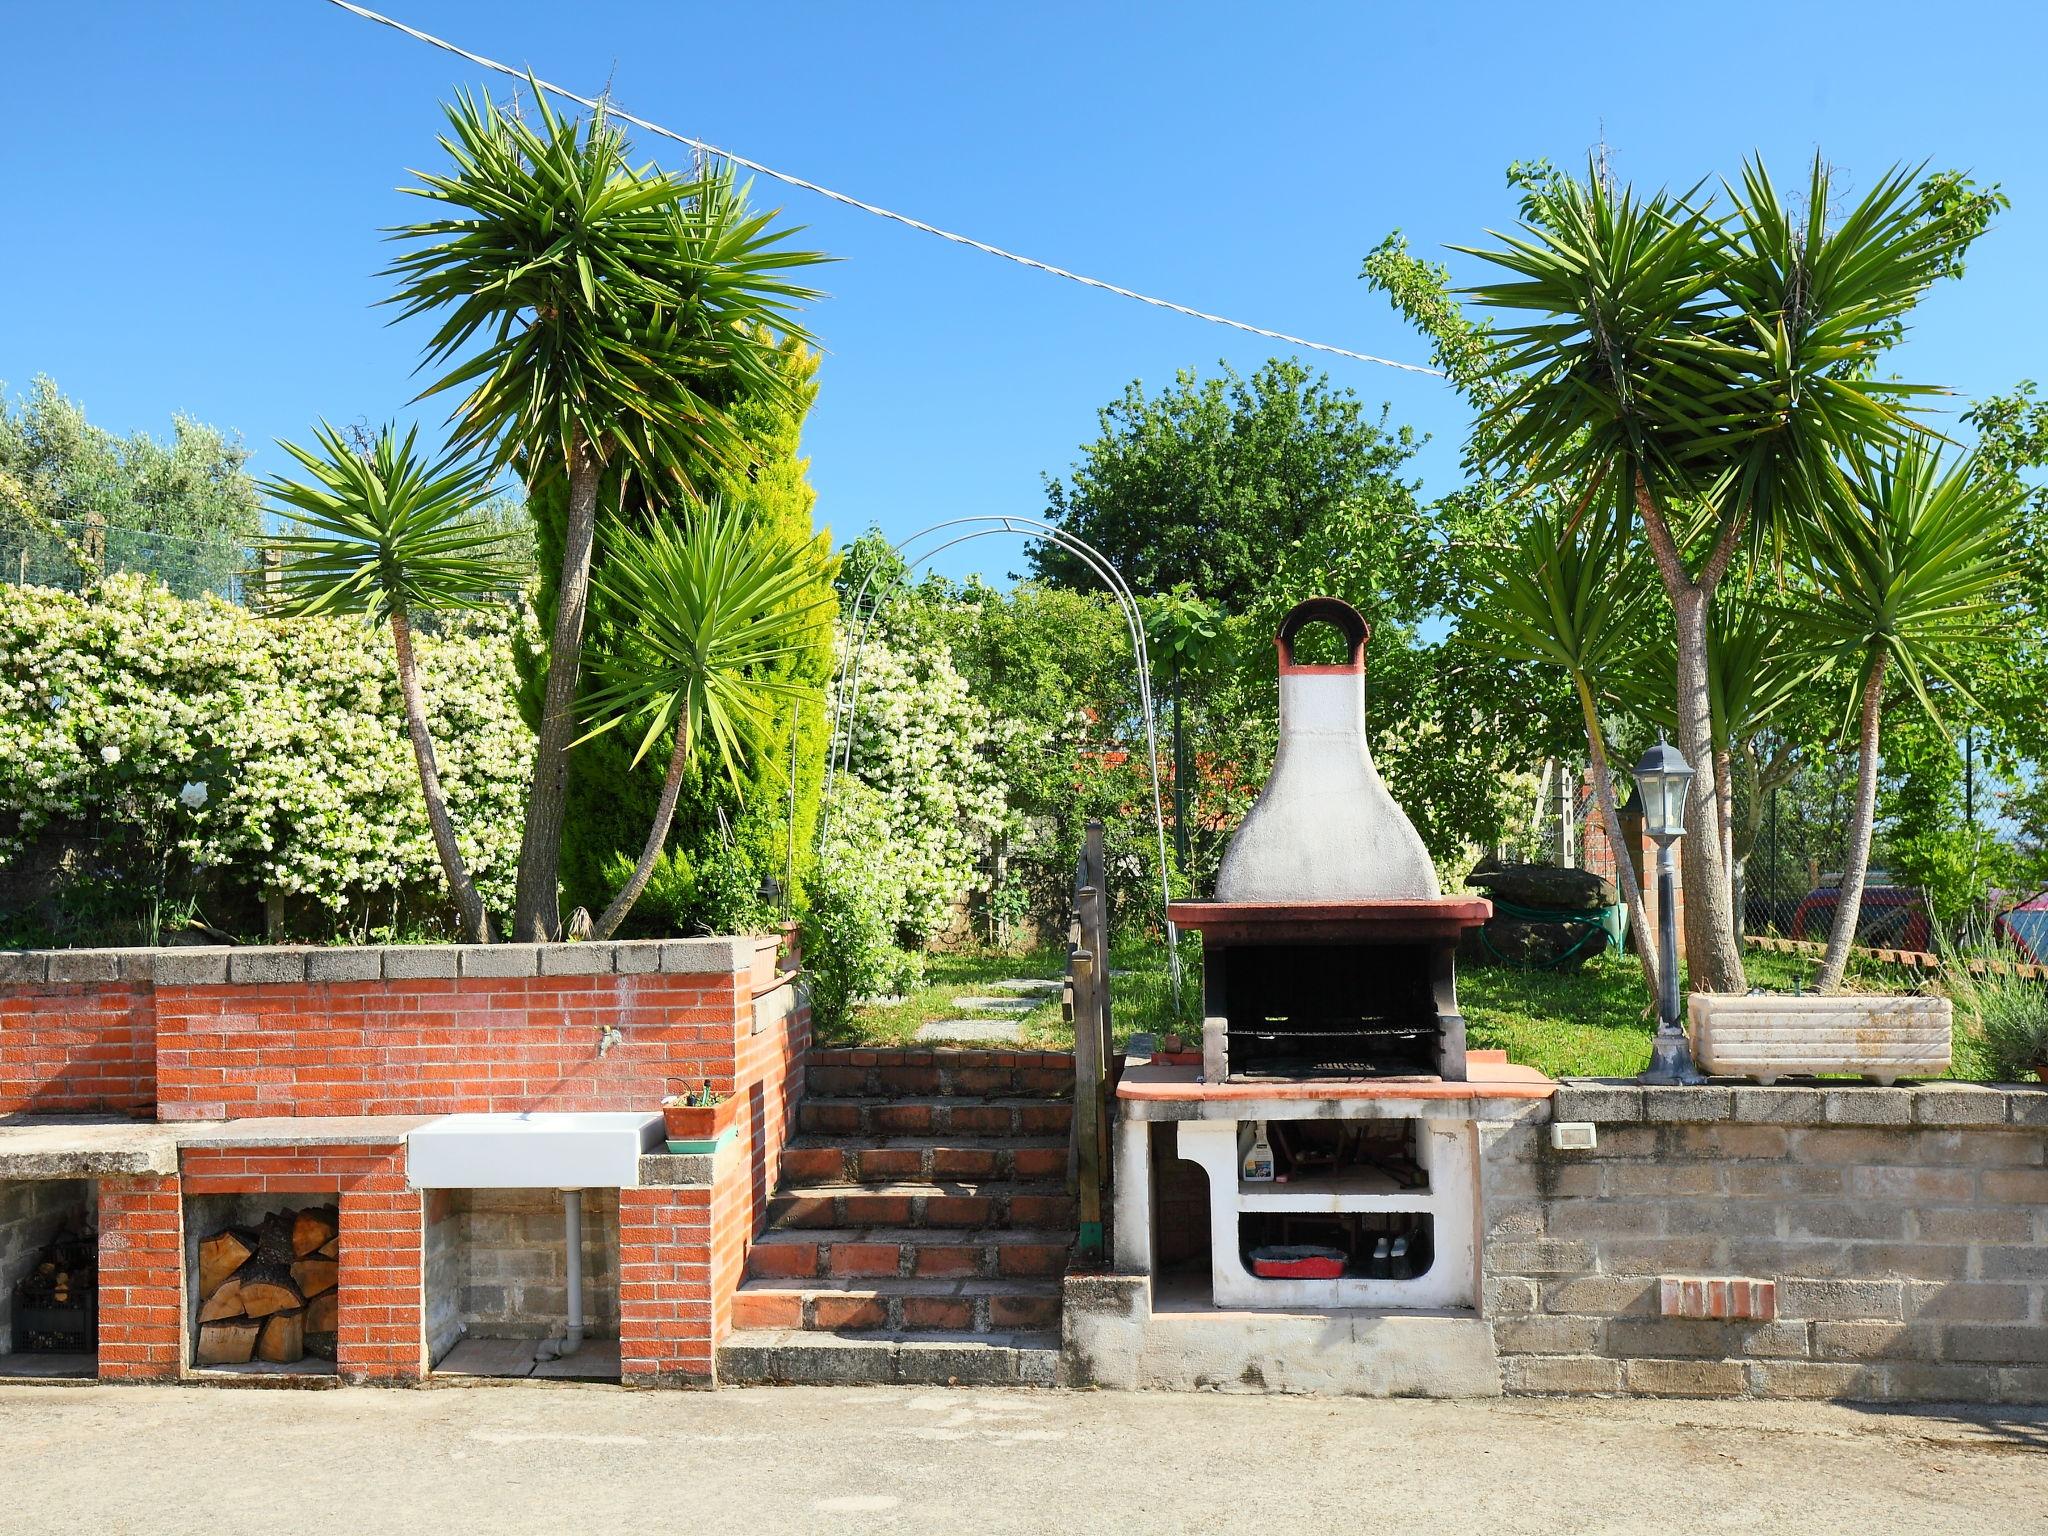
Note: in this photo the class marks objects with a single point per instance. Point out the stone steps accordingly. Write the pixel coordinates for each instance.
(799, 1254)
(932, 1115)
(967, 1074)
(931, 1204)
(971, 1306)
(786, 1357)
(814, 1160)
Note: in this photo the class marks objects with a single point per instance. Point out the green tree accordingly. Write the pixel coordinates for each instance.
(598, 321)
(386, 534)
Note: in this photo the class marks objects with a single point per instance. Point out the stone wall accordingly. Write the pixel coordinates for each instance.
(509, 1267)
(32, 1213)
(1897, 1238)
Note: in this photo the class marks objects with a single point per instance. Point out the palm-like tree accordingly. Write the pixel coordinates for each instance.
(704, 611)
(387, 535)
(599, 320)
(1570, 593)
(1712, 364)
(1905, 564)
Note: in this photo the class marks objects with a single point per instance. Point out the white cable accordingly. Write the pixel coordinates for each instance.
(879, 212)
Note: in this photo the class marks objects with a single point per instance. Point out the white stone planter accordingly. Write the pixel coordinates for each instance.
(1769, 1037)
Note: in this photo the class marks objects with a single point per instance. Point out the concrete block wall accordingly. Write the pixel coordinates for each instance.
(506, 1276)
(1902, 1233)
(32, 1214)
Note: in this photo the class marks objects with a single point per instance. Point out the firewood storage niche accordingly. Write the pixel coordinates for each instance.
(264, 1289)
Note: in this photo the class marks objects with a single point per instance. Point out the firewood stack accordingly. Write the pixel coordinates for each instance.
(268, 1292)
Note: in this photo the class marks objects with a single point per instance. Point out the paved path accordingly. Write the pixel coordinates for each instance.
(572, 1459)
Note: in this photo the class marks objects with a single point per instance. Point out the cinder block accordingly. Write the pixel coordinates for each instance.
(1668, 1106)
(1775, 1181)
(2023, 1384)
(1549, 1335)
(1880, 1300)
(1869, 1106)
(2027, 1106)
(267, 965)
(197, 967)
(1873, 1341)
(1686, 1378)
(1975, 1224)
(588, 959)
(1603, 1103)
(632, 957)
(1762, 1143)
(1958, 1104)
(1780, 1106)
(1602, 1296)
(419, 962)
(1509, 1296)
(1721, 1218)
(83, 965)
(1528, 1256)
(1607, 1218)
(2015, 1186)
(354, 964)
(498, 959)
(1868, 1221)
(1657, 1179)
(1566, 1375)
(1921, 1186)
(1515, 1218)
(1994, 1344)
(1631, 1338)
(697, 957)
(1661, 1255)
(24, 967)
(1814, 1379)
(1918, 1381)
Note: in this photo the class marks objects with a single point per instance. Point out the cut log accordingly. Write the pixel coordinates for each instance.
(267, 1287)
(284, 1338)
(231, 1341)
(315, 1277)
(314, 1228)
(331, 1249)
(274, 1238)
(225, 1302)
(323, 1313)
(220, 1256)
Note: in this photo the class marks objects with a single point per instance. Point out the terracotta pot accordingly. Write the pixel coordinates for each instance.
(695, 1122)
(2041, 1072)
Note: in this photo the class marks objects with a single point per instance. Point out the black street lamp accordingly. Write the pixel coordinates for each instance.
(1662, 779)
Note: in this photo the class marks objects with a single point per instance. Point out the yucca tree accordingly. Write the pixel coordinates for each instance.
(597, 322)
(386, 534)
(1714, 365)
(1905, 564)
(703, 612)
(1570, 593)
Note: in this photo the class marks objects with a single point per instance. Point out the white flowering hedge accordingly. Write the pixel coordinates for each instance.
(273, 752)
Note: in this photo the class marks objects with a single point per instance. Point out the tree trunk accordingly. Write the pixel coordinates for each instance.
(1849, 905)
(657, 839)
(1713, 960)
(1610, 818)
(537, 914)
(475, 921)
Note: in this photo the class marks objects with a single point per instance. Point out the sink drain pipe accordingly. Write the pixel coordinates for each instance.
(572, 1237)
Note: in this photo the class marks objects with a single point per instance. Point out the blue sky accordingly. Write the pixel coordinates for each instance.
(194, 191)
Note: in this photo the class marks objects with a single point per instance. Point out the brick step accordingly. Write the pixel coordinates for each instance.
(798, 1254)
(811, 1160)
(898, 1306)
(794, 1357)
(951, 1205)
(962, 1074)
(928, 1115)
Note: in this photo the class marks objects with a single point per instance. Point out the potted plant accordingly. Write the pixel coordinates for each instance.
(699, 1114)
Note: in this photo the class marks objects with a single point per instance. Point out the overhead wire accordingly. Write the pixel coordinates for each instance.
(704, 147)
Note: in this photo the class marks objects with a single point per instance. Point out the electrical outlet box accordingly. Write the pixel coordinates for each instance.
(1574, 1136)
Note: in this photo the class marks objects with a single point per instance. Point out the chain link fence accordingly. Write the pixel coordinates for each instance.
(79, 552)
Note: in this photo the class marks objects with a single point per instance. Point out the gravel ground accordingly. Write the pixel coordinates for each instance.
(571, 1459)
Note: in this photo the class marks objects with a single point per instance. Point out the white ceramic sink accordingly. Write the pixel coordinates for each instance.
(544, 1149)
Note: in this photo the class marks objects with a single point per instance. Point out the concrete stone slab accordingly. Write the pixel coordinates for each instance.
(300, 1131)
(27, 1367)
(489, 1357)
(597, 1360)
(113, 1149)
(997, 1004)
(982, 1031)
(1027, 984)
(356, 964)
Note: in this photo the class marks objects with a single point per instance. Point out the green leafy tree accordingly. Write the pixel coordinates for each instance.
(597, 322)
(1187, 640)
(703, 613)
(388, 535)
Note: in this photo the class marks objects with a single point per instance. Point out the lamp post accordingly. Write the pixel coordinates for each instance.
(1662, 779)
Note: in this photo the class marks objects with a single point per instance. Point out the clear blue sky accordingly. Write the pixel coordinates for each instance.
(193, 191)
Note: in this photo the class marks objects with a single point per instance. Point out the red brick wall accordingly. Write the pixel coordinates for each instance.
(142, 1294)
(77, 1048)
(667, 1330)
(440, 1046)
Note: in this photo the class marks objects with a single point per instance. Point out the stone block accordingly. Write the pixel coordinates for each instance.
(1771, 1341)
(1538, 1256)
(1869, 1106)
(1607, 1218)
(1776, 1181)
(587, 959)
(514, 960)
(24, 967)
(1546, 1335)
(634, 957)
(1107, 1295)
(1917, 1381)
(1873, 1341)
(1561, 1375)
(1515, 1218)
(1630, 1338)
(267, 966)
(1603, 1103)
(1685, 1378)
(1685, 1106)
(1509, 1296)
(1622, 1141)
(2027, 1106)
(718, 956)
(419, 962)
(1849, 1147)
(84, 965)
(1994, 1344)
(1974, 1224)
(1661, 1255)
(205, 966)
(1831, 1299)
(1721, 1218)
(1748, 1143)
(1815, 1380)
(1602, 1296)
(1869, 1221)
(1921, 1186)
(1958, 1104)
(1779, 1105)
(1661, 1180)
(326, 965)
(1777, 1256)
(2015, 1186)
(2028, 1263)
(1575, 1180)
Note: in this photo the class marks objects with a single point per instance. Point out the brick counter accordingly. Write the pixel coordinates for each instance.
(1896, 1238)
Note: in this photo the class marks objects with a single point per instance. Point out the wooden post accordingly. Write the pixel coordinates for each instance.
(1087, 1104)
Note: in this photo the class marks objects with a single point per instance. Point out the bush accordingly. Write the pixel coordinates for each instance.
(847, 949)
(2010, 1014)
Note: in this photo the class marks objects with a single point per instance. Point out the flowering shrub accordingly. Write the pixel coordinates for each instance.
(272, 753)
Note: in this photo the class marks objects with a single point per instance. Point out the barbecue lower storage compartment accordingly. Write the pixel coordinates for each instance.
(1353, 1185)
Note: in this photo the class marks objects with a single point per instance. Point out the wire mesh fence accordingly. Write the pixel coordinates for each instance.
(73, 554)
